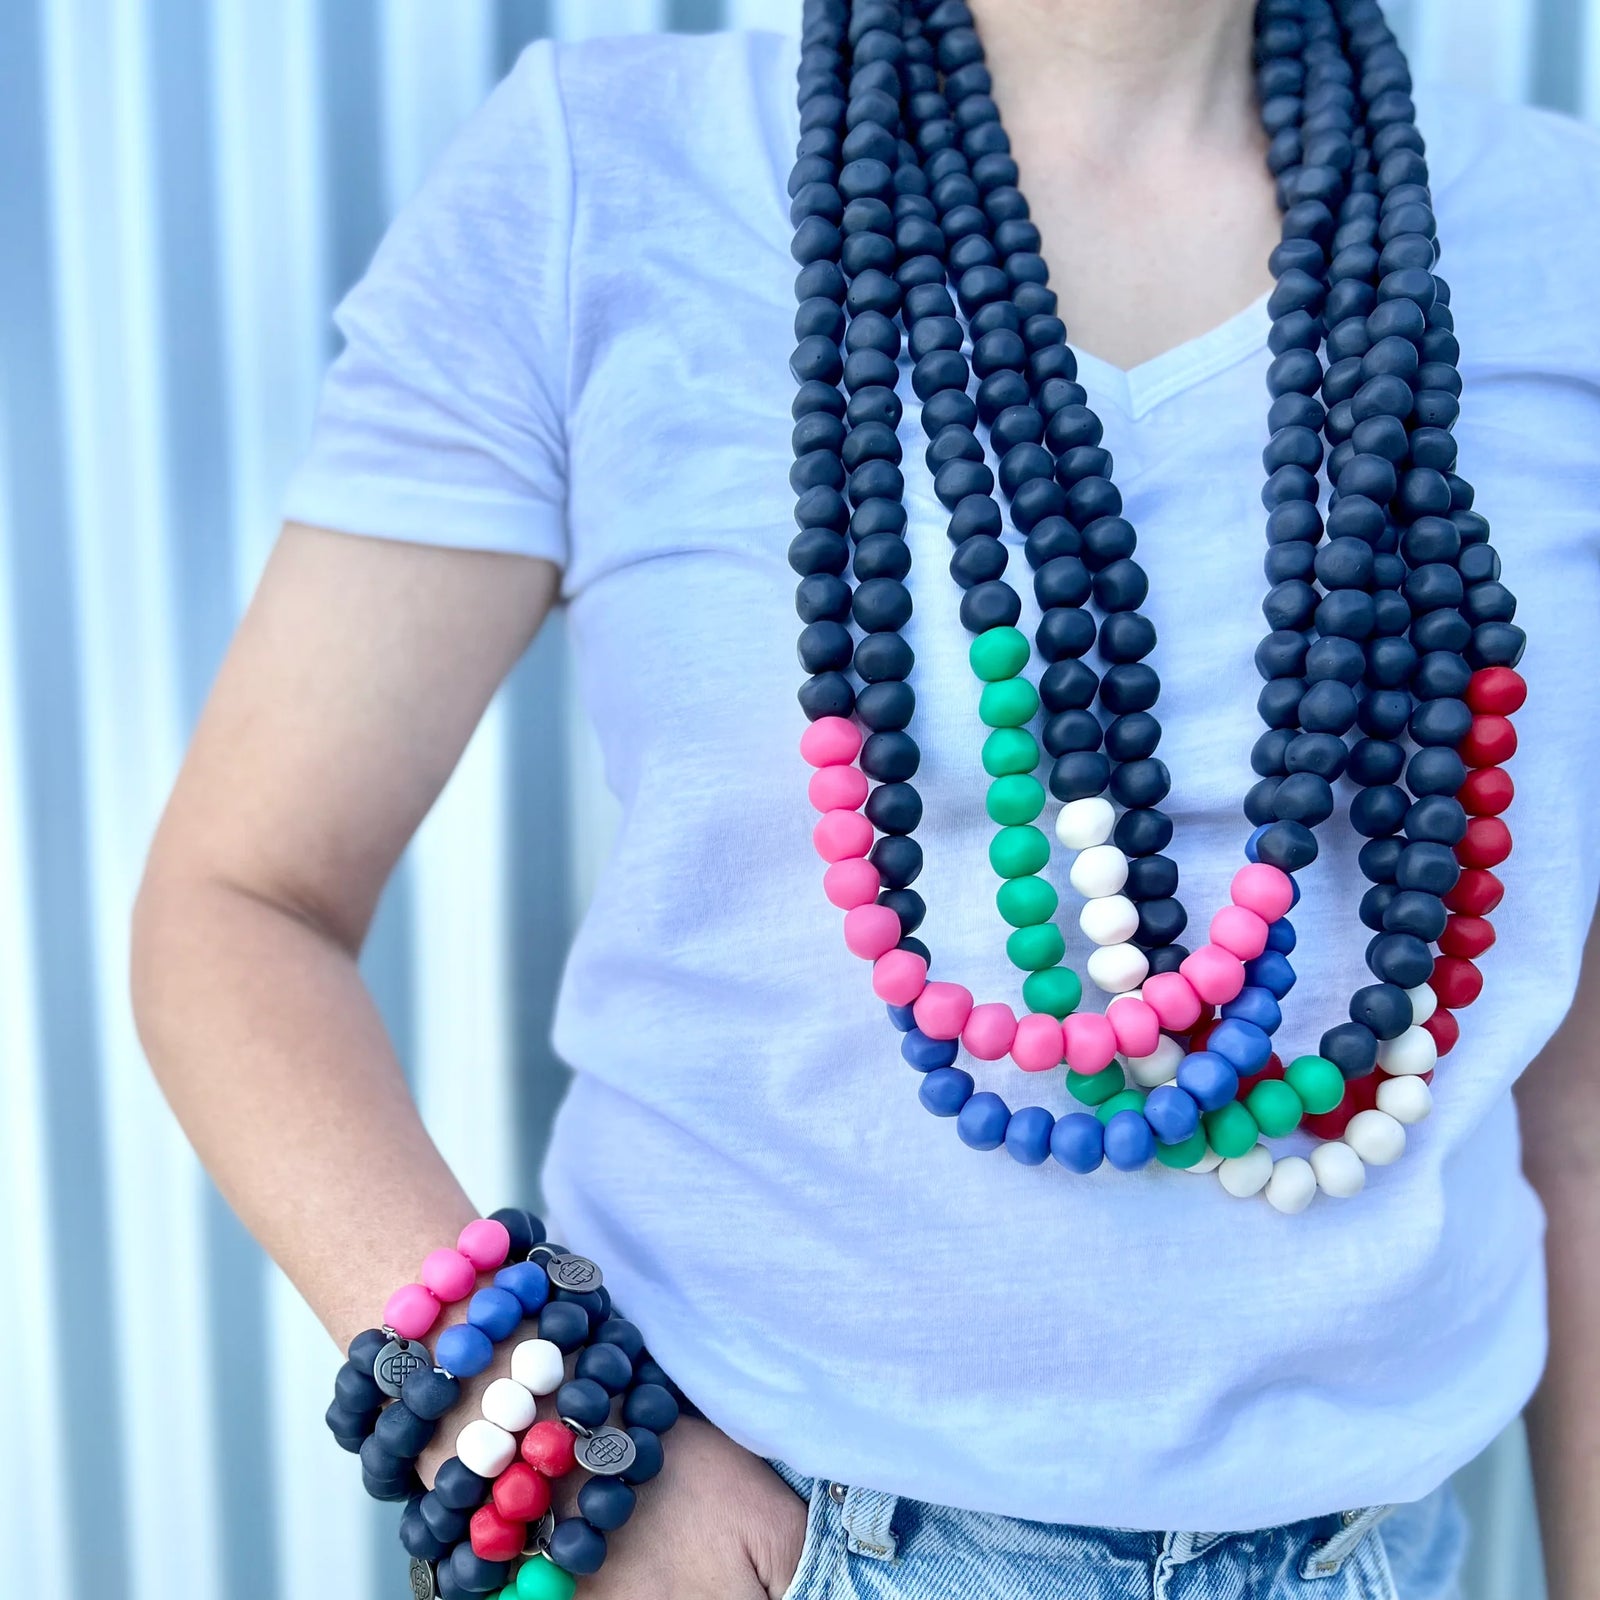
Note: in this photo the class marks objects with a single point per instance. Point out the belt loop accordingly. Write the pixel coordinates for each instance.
(868, 1515)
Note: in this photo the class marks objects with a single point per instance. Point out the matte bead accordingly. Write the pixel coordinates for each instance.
(1317, 1082)
(898, 977)
(1407, 1099)
(1037, 1045)
(1476, 894)
(1215, 975)
(494, 1538)
(923, 1054)
(945, 1090)
(981, 1122)
(606, 1503)
(464, 1350)
(1159, 1066)
(411, 1311)
(1174, 1000)
(1027, 1137)
(540, 1579)
(485, 1242)
(1055, 992)
(1275, 1106)
(400, 1431)
(1208, 1079)
(1109, 919)
(1083, 824)
(1486, 843)
(564, 1325)
(652, 1406)
(497, 1311)
(1376, 1137)
(942, 1009)
(648, 1457)
(485, 1449)
(607, 1365)
(521, 1494)
(1242, 1045)
(1351, 1047)
(1246, 1173)
(429, 1393)
(1077, 1142)
(549, 1448)
(459, 1488)
(577, 1547)
(1116, 968)
(1339, 1171)
(1129, 1142)
(1456, 981)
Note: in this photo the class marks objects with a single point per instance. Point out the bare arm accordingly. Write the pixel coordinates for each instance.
(1559, 1102)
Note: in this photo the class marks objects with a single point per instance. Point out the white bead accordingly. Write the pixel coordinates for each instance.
(1339, 1169)
(1209, 1162)
(1424, 1002)
(1243, 1176)
(485, 1449)
(1160, 1066)
(1376, 1137)
(537, 1365)
(1112, 919)
(1292, 1186)
(508, 1405)
(1117, 968)
(1100, 870)
(1405, 1099)
(1081, 824)
(1411, 1051)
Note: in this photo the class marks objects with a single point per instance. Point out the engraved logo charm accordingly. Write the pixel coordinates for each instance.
(539, 1535)
(606, 1452)
(575, 1273)
(397, 1361)
(423, 1586)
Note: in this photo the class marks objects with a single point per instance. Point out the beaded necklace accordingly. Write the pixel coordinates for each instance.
(1396, 625)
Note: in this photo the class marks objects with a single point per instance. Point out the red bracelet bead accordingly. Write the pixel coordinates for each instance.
(1497, 690)
(1273, 1069)
(1466, 936)
(1476, 893)
(1487, 792)
(549, 1448)
(520, 1493)
(1360, 1094)
(1486, 844)
(1456, 982)
(493, 1537)
(1445, 1030)
(1490, 741)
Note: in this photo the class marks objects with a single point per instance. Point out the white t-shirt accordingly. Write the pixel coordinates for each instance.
(574, 344)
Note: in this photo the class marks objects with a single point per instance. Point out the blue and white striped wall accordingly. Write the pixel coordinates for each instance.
(186, 186)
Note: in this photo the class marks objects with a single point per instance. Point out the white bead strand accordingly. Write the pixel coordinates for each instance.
(1376, 1137)
(1292, 1186)
(1340, 1172)
(1082, 824)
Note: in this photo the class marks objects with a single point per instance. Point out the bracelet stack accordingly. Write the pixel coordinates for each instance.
(487, 1526)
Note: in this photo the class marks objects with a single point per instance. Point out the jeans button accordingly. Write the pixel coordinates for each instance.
(837, 1492)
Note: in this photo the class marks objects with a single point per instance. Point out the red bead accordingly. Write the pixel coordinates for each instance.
(521, 1494)
(1476, 894)
(1360, 1094)
(1496, 689)
(549, 1447)
(1456, 982)
(1273, 1069)
(1489, 742)
(1487, 843)
(1200, 1032)
(1445, 1030)
(1466, 936)
(495, 1539)
(1487, 792)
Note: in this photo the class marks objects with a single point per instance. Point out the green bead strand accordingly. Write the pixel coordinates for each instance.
(1018, 852)
(1026, 901)
(1008, 703)
(999, 653)
(1231, 1130)
(1037, 948)
(1055, 993)
(1183, 1154)
(1317, 1081)
(541, 1579)
(1015, 798)
(1275, 1107)
(1010, 750)
(1095, 1088)
(1126, 1100)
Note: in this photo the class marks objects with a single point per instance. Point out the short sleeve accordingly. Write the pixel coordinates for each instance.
(442, 420)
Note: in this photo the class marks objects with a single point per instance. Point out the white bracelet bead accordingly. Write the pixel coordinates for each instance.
(1081, 824)
(1157, 1068)
(538, 1366)
(484, 1448)
(1376, 1137)
(1102, 869)
(1117, 968)
(1111, 919)
(1209, 1162)
(1407, 1100)
(508, 1405)
(1246, 1175)
(1408, 1052)
(1424, 1002)
(1292, 1186)
(1340, 1172)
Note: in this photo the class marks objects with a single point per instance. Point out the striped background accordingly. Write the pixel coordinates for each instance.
(186, 186)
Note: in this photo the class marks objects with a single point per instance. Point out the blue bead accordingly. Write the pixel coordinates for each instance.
(1172, 1113)
(472, 1573)
(457, 1487)
(356, 1391)
(1243, 1045)
(350, 1429)
(527, 1281)
(981, 1122)
(565, 1325)
(1129, 1142)
(1257, 1005)
(365, 1349)
(1078, 1142)
(418, 1538)
(1294, 891)
(650, 1405)
(429, 1392)
(1251, 843)
(945, 1090)
(402, 1432)
(1028, 1135)
(1210, 1079)
(622, 1333)
(608, 1366)
(1281, 936)
(464, 1350)
(445, 1523)
(648, 1457)
(497, 1311)
(1272, 972)
(927, 1055)
(902, 1017)
(582, 1400)
(577, 1548)
(606, 1503)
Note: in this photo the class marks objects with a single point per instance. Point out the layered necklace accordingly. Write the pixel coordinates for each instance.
(1388, 657)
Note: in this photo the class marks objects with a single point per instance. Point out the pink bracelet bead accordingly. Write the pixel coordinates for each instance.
(449, 1275)
(839, 835)
(411, 1311)
(899, 976)
(1266, 890)
(1037, 1045)
(830, 742)
(1240, 932)
(1136, 1025)
(838, 789)
(1171, 996)
(871, 931)
(853, 881)
(990, 1031)
(942, 1010)
(1215, 975)
(1091, 1043)
(485, 1243)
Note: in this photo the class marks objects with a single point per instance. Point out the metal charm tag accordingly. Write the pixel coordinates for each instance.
(539, 1535)
(397, 1361)
(578, 1274)
(423, 1584)
(606, 1452)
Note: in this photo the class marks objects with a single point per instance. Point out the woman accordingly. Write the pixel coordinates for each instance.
(564, 379)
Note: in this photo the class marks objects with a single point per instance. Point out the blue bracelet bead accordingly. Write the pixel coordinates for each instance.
(464, 1350)
(981, 1122)
(1208, 1078)
(528, 1282)
(349, 1428)
(1352, 1047)
(606, 1503)
(380, 1462)
(457, 1487)
(623, 1334)
(596, 1303)
(902, 1017)
(1255, 1004)
(365, 1349)
(496, 1310)
(1400, 958)
(945, 1090)
(472, 1573)
(1129, 1143)
(583, 1401)
(1028, 1135)
(356, 1391)
(1252, 845)
(401, 1432)
(448, 1585)
(1078, 1142)
(418, 1538)
(648, 1458)
(389, 1489)
(1281, 937)
(446, 1523)
(429, 1392)
(1172, 1113)
(1243, 1045)
(565, 1325)
(928, 1055)
(649, 1370)
(650, 1405)
(577, 1547)
(1271, 972)
(608, 1365)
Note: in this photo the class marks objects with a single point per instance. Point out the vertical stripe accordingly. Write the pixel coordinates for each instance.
(517, 24)
(1558, 58)
(695, 16)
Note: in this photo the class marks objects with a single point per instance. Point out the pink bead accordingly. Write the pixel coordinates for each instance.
(853, 881)
(1037, 1046)
(1214, 974)
(411, 1311)
(830, 742)
(1240, 932)
(1091, 1043)
(838, 788)
(839, 835)
(1136, 1025)
(1171, 996)
(899, 976)
(449, 1274)
(485, 1243)
(871, 931)
(942, 1010)
(990, 1031)
(1263, 889)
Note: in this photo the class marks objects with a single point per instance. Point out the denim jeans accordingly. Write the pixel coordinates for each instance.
(864, 1545)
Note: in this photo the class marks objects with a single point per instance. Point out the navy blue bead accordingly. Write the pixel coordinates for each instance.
(496, 1310)
(1243, 1045)
(650, 1405)
(365, 1349)
(1421, 915)
(1129, 1142)
(647, 1462)
(902, 1017)
(1252, 845)
(401, 1432)
(417, 1538)
(1078, 1142)
(349, 1428)
(1436, 819)
(429, 1392)
(1400, 958)
(564, 1325)
(1208, 1078)
(578, 1547)
(1383, 1008)
(1272, 973)
(606, 1503)
(1255, 1005)
(1432, 868)
(625, 1335)
(445, 1520)
(1028, 1135)
(1281, 936)
(583, 1401)
(596, 1304)
(380, 1463)
(945, 1090)
(608, 1365)
(389, 1489)
(1287, 845)
(1351, 1047)
(928, 1055)
(473, 1573)
(527, 1281)
(357, 1392)
(1172, 1113)
(981, 1122)
(1374, 903)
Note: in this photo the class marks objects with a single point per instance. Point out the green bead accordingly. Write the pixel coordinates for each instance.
(1184, 1154)
(1276, 1107)
(1095, 1088)
(539, 1578)
(999, 653)
(1009, 750)
(1231, 1131)
(1017, 798)
(1008, 703)
(1127, 1100)
(1054, 993)
(1025, 901)
(1317, 1081)
(1033, 949)
(1018, 852)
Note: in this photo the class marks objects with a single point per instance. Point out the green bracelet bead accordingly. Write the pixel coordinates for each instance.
(1054, 993)
(1184, 1154)
(1008, 703)
(1033, 949)
(1095, 1088)
(539, 1578)
(1018, 852)
(1009, 750)
(1016, 798)
(1126, 1100)
(1317, 1081)
(1025, 901)
(1276, 1107)
(999, 653)
(1231, 1131)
